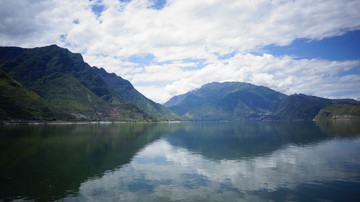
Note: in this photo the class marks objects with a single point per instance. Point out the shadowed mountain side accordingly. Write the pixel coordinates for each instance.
(305, 107)
(72, 154)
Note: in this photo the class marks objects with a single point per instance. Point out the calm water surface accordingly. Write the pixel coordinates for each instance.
(233, 161)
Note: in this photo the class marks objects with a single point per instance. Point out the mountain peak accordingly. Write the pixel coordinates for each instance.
(63, 79)
(245, 101)
(53, 46)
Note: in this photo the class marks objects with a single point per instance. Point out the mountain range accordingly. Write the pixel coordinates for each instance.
(245, 101)
(52, 83)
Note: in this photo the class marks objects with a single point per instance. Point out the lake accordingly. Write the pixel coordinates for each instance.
(201, 161)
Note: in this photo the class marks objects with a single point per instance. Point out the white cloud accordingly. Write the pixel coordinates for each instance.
(154, 92)
(200, 29)
(285, 74)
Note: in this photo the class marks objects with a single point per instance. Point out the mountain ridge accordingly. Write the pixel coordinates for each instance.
(245, 101)
(66, 81)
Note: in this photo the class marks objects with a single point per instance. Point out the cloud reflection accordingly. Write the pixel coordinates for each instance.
(162, 171)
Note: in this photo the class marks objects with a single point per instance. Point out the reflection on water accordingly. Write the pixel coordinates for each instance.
(51, 162)
(234, 161)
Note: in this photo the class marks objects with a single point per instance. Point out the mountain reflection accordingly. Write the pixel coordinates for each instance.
(49, 162)
(177, 168)
(237, 140)
(229, 161)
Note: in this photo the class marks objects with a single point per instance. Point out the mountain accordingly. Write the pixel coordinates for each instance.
(244, 101)
(130, 94)
(305, 107)
(226, 101)
(65, 81)
(18, 102)
(176, 100)
(339, 112)
(300, 107)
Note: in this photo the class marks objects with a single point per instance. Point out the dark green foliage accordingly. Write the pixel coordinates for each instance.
(65, 81)
(244, 101)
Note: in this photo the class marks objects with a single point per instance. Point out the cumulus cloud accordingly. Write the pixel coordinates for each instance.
(201, 29)
(285, 74)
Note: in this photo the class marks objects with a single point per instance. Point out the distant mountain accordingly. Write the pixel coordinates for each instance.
(226, 101)
(176, 100)
(65, 81)
(244, 101)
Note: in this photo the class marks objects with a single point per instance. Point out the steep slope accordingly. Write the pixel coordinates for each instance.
(18, 102)
(227, 101)
(66, 81)
(244, 101)
(127, 92)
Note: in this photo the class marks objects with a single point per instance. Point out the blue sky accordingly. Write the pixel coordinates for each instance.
(168, 47)
(343, 47)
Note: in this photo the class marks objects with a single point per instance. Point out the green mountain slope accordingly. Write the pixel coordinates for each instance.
(128, 93)
(63, 79)
(305, 107)
(18, 102)
(339, 112)
(244, 101)
(300, 107)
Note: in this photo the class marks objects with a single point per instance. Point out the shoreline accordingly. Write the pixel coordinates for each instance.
(43, 122)
(37, 122)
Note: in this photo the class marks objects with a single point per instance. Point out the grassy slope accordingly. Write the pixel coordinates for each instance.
(18, 102)
(339, 111)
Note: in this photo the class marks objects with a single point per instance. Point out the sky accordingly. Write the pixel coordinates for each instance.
(169, 47)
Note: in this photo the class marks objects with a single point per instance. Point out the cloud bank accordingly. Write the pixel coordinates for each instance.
(192, 42)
